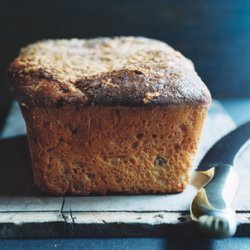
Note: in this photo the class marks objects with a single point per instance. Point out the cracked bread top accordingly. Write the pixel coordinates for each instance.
(119, 71)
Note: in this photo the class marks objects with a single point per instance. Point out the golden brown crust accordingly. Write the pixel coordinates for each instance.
(120, 71)
(119, 115)
(77, 151)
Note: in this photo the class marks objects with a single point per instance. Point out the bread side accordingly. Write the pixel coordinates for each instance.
(96, 150)
(120, 71)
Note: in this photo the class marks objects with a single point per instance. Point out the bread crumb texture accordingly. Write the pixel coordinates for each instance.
(99, 150)
(125, 71)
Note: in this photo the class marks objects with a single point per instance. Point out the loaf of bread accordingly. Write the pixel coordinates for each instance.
(116, 115)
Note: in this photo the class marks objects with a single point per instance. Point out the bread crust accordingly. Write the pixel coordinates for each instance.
(119, 71)
(99, 150)
(109, 115)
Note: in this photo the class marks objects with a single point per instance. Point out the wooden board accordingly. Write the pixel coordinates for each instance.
(24, 212)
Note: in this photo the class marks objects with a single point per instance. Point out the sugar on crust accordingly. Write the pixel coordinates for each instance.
(129, 71)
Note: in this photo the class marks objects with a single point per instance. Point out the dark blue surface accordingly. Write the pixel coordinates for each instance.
(106, 244)
(129, 244)
(240, 111)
